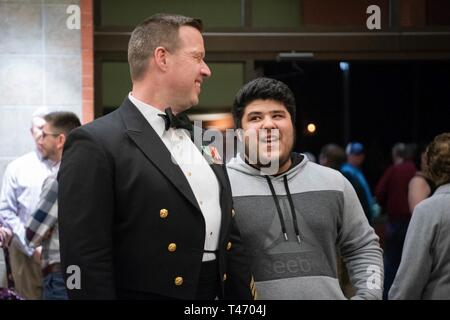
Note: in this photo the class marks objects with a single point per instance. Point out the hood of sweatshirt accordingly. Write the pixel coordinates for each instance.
(298, 162)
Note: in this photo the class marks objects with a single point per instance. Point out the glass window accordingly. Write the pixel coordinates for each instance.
(219, 90)
(215, 14)
(276, 14)
(116, 84)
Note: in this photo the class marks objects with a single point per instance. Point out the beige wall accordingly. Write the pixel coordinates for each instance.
(40, 65)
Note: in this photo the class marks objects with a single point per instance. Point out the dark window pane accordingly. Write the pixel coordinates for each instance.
(218, 91)
(130, 13)
(116, 83)
(276, 14)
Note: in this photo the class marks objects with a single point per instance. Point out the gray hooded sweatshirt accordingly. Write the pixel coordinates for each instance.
(424, 271)
(295, 224)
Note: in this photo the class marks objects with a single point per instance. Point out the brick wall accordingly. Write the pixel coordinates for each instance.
(87, 58)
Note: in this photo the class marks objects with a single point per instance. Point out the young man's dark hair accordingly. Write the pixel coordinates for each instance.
(63, 120)
(262, 89)
(157, 30)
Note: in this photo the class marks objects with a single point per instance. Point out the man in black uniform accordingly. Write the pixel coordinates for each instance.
(142, 212)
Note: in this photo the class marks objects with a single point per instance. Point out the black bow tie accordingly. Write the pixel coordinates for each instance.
(179, 121)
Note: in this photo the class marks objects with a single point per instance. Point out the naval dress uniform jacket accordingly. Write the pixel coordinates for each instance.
(130, 221)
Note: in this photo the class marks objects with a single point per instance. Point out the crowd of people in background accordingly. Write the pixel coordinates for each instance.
(407, 182)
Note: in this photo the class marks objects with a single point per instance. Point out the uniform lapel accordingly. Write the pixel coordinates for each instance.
(151, 145)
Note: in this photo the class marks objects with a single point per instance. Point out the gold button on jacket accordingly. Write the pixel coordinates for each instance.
(172, 247)
(229, 246)
(163, 213)
(178, 281)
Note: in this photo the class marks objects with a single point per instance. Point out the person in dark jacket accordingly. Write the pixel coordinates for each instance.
(139, 220)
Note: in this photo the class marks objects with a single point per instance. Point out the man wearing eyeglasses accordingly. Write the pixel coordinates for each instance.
(42, 227)
(51, 143)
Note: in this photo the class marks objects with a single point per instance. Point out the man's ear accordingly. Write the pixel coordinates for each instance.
(62, 140)
(160, 58)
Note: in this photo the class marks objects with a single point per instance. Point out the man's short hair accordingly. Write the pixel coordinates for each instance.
(63, 121)
(38, 114)
(263, 89)
(334, 155)
(399, 150)
(159, 30)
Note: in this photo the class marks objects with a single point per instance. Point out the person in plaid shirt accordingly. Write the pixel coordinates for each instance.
(42, 227)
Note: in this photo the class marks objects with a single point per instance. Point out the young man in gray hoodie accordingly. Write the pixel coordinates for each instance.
(295, 216)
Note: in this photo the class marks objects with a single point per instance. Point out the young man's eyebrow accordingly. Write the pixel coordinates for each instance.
(278, 111)
(254, 113)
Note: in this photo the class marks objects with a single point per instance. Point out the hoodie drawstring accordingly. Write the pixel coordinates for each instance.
(291, 205)
(277, 204)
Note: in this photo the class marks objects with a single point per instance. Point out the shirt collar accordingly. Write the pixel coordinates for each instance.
(445, 188)
(150, 114)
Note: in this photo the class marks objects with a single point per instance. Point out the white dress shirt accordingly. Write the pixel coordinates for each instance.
(196, 169)
(21, 188)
